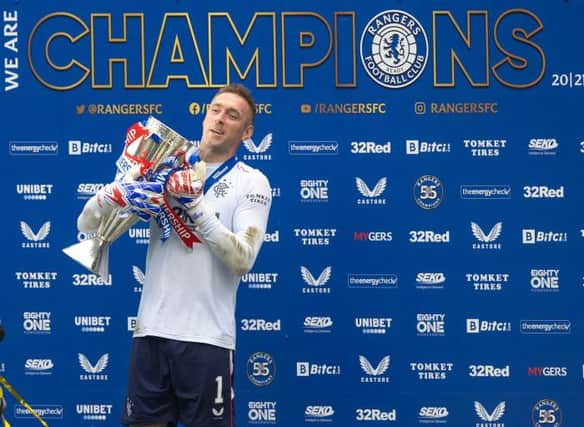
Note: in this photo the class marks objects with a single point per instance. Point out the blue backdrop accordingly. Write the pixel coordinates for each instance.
(422, 263)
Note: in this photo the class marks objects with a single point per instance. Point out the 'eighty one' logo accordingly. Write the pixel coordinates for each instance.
(394, 49)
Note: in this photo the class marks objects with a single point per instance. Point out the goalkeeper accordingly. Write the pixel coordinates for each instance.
(181, 362)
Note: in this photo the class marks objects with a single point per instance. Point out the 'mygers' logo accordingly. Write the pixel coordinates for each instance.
(394, 49)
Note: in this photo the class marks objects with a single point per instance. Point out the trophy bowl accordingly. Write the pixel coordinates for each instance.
(147, 146)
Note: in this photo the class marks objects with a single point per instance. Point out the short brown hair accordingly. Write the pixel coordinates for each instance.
(244, 92)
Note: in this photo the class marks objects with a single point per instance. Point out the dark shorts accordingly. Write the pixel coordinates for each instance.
(175, 381)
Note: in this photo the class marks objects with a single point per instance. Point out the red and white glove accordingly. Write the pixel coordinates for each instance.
(187, 185)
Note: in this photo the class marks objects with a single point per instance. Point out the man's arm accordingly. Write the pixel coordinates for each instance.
(239, 248)
(91, 215)
(142, 198)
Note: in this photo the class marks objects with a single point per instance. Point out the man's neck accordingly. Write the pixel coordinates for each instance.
(211, 157)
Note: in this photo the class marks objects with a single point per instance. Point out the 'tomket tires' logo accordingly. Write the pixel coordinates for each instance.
(394, 49)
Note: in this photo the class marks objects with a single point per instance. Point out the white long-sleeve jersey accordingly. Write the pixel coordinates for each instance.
(190, 295)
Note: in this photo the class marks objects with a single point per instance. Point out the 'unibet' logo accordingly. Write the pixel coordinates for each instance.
(256, 280)
(34, 191)
(92, 323)
(373, 325)
(94, 411)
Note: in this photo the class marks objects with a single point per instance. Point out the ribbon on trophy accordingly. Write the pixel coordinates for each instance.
(168, 219)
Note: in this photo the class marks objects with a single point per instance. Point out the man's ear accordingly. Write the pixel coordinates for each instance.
(247, 133)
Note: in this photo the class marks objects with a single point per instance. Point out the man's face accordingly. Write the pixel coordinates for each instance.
(226, 124)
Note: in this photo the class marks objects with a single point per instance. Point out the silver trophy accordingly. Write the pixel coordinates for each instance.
(146, 147)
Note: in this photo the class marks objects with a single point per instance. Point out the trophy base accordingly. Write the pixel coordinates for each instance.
(92, 254)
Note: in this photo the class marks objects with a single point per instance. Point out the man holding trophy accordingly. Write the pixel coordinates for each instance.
(181, 362)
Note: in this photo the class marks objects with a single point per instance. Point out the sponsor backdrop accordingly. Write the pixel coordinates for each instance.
(422, 261)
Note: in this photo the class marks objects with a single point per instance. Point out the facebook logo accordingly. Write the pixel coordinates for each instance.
(75, 148)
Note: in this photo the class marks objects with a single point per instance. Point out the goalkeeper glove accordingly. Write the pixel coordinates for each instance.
(142, 198)
(187, 185)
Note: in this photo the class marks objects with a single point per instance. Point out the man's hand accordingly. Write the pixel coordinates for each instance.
(142, 198)
(187, 185)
